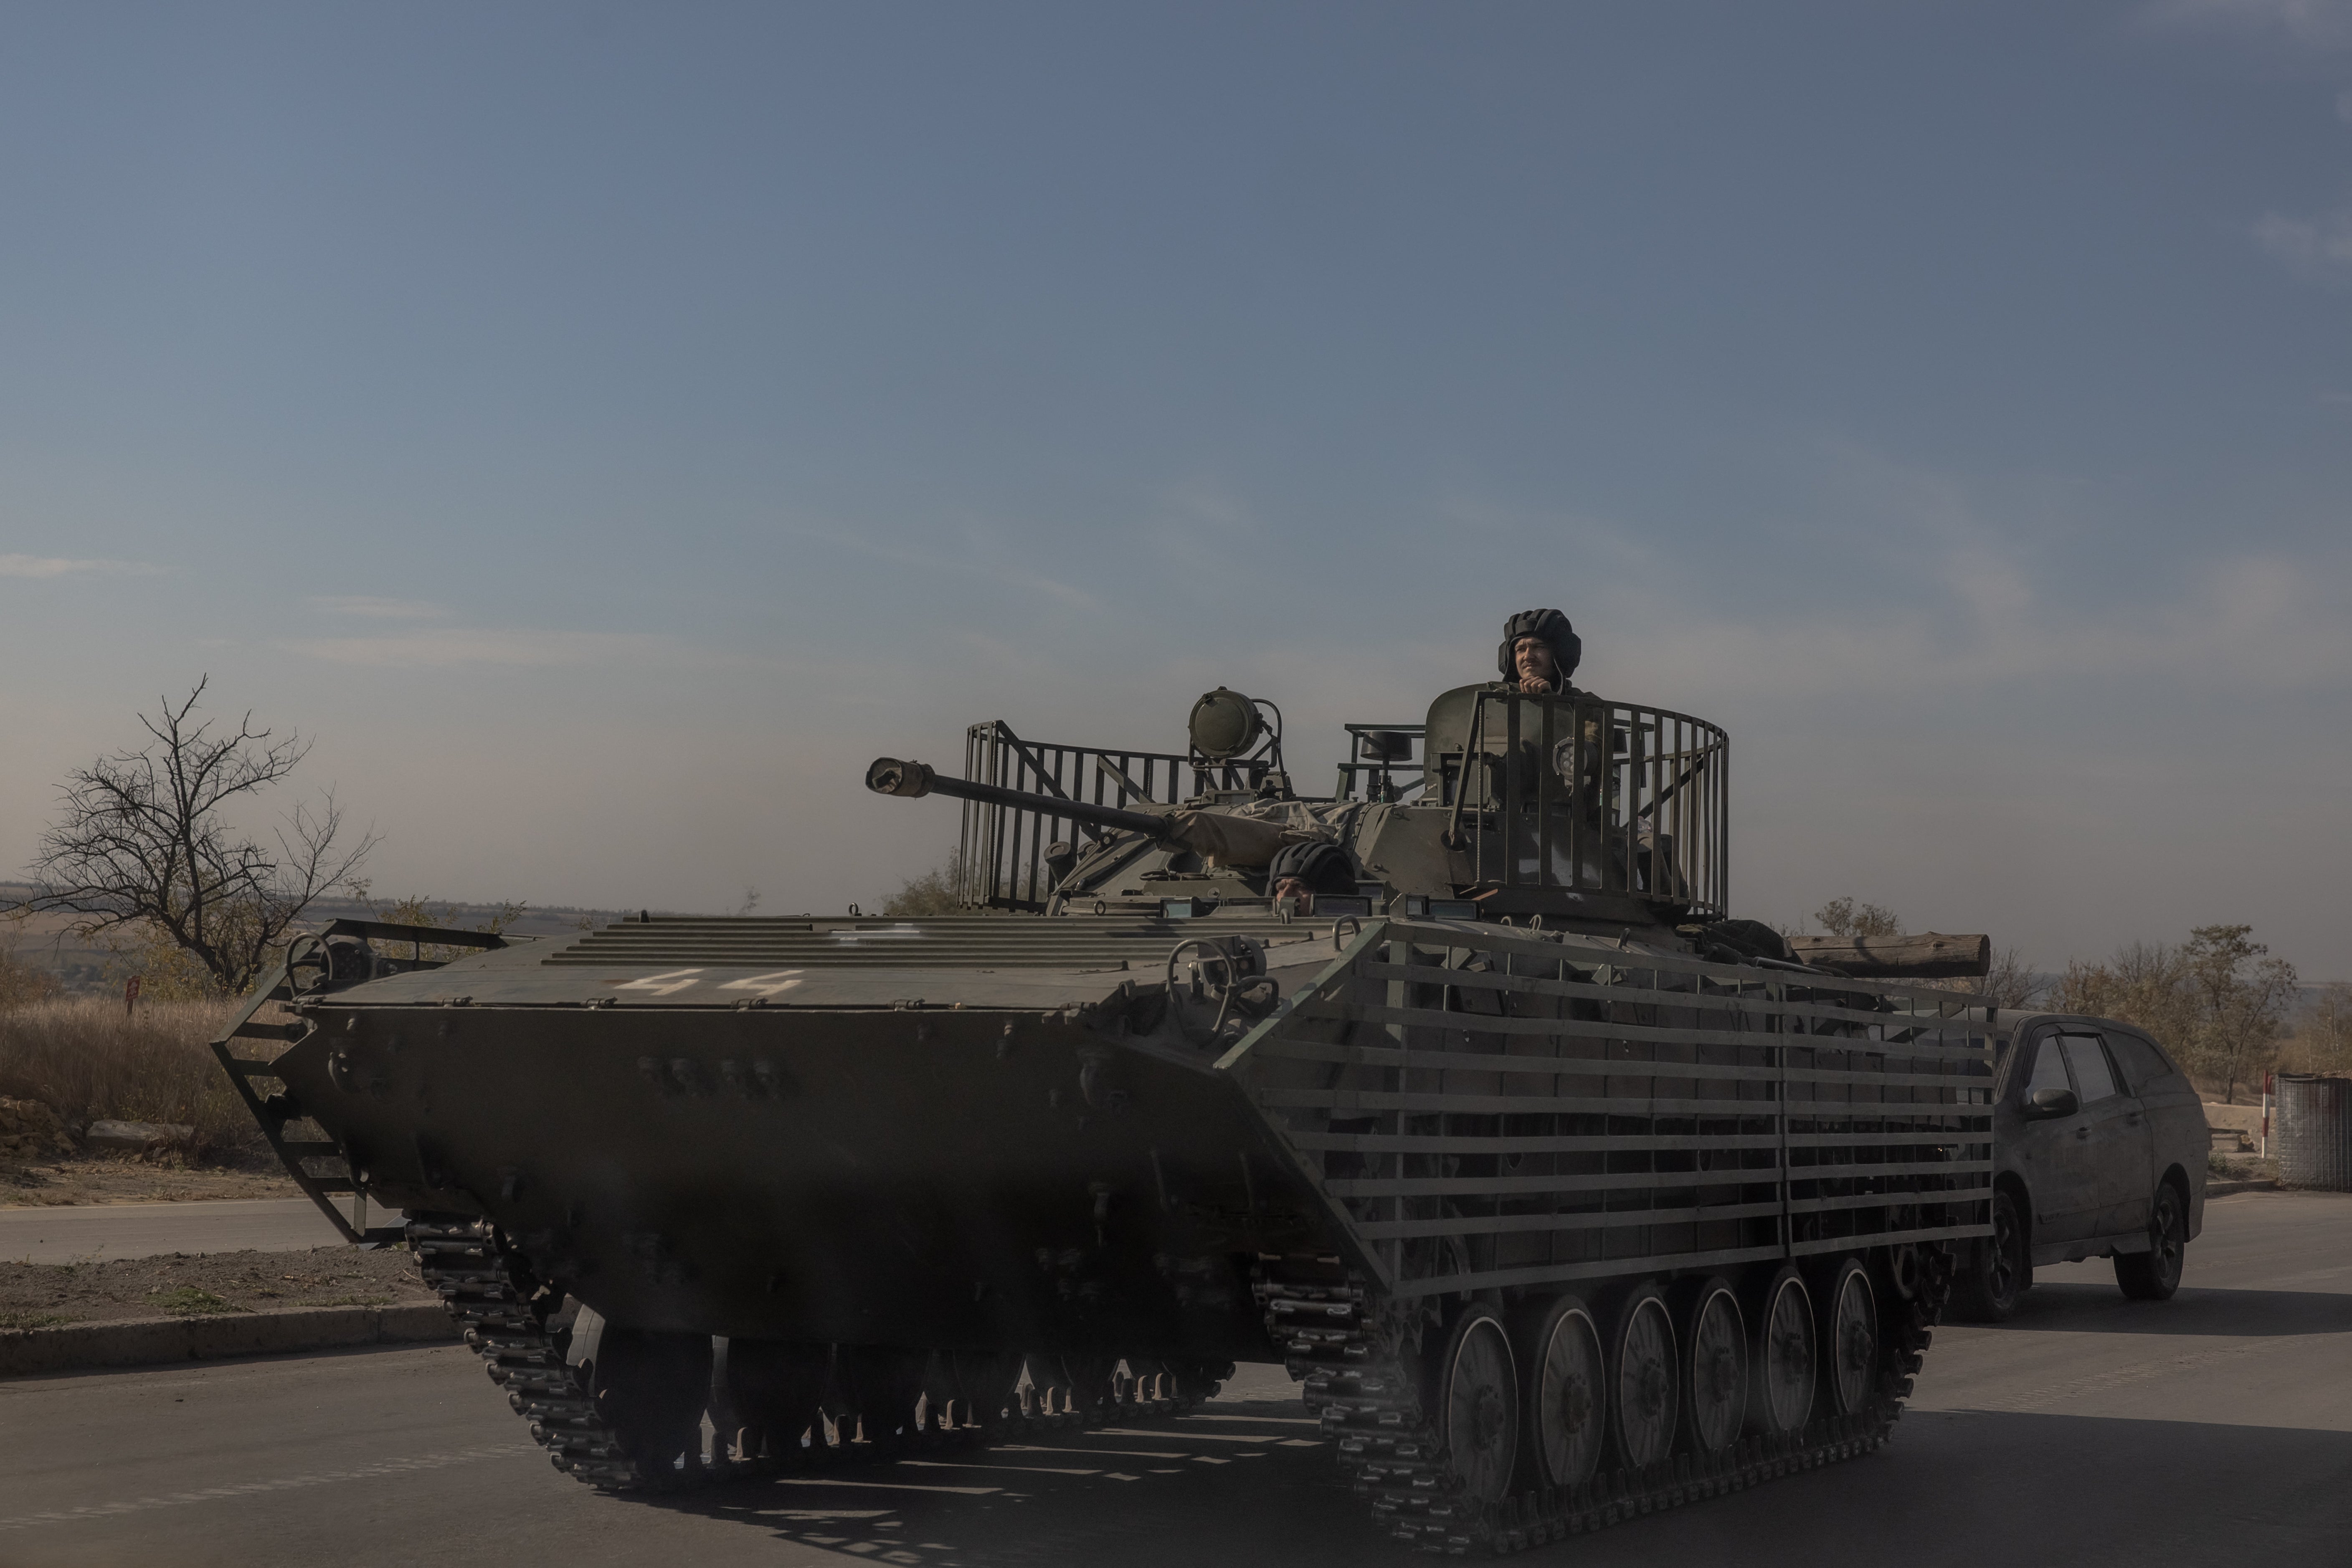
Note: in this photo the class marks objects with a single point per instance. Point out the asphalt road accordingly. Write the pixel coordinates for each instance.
(2215, 1428)
(99, 1232)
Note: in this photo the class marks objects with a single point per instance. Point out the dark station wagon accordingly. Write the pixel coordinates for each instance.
(2099, 1146)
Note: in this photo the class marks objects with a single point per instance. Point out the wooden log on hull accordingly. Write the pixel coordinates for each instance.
(1929, 956)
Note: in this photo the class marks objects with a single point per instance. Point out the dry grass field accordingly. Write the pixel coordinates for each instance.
(87, 1059)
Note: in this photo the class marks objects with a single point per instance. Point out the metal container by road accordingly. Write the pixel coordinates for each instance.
(2315, 1132)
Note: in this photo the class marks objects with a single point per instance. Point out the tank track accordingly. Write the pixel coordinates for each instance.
(504, 1313)
(1360, 1382)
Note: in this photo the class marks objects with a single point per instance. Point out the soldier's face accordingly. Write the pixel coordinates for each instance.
(1533, 656)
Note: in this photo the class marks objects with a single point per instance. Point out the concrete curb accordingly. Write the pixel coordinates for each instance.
(150, 1342)
(2224, 1189)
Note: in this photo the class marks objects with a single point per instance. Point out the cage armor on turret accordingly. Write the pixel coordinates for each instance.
(1563, 1193)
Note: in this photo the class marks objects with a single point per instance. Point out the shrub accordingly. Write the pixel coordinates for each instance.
(2217, 1001)
(932, 894)
(21, 983)
(85, 1060)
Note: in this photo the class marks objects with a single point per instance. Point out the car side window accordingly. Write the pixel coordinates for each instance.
(2142, 1063)
(2097, 1081)
(2049, 1069)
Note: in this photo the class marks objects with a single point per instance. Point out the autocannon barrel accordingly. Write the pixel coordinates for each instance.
(890, 775)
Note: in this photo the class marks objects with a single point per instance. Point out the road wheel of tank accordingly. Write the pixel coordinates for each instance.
(650, 1388)
(1567, 1404)
(1903, 1265)
(769, 1397)
(1995, 1267)
(1781, 1356)
(2154, 1275)
(1715, 1367)
(1479, 1407)
(875, 1391)
(1849, 1338)
(1646, 1395)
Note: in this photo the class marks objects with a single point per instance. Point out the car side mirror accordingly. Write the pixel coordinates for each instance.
(2048, 1104)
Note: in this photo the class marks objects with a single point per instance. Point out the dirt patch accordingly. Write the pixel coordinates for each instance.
(149, 1179)
(2241, 1168)
(35, 1295)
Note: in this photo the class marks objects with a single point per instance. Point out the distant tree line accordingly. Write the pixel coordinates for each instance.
(2218, 1001)
(146, 854)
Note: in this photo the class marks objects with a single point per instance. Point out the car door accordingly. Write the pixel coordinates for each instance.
(2176, 1117)
(2116, 1133)
(2054, 1153)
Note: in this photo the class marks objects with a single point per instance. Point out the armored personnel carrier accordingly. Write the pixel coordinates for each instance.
(1456, 1091)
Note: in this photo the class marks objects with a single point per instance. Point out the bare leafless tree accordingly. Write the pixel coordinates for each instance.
(2322, 1034)
(144, 841)
(2242, 997)
(1843, 917)
(2219, 999)
(2011, 982)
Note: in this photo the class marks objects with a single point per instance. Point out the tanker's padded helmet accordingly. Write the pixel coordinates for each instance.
(1567, 647)
(1323, 867)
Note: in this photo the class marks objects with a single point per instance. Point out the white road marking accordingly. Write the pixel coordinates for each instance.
(1084, 1453)
(1021, 1469)
(884, 1486)
(251, 1489)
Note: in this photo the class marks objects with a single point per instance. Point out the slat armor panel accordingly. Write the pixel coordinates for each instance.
(1494, 1108)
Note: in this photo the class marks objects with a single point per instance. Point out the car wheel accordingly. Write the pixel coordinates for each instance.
(2154, 1275)
(1999, 1267)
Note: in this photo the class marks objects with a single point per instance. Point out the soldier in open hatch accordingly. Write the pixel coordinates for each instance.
(1540, 651)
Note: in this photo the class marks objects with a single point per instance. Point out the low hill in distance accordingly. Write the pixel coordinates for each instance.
(88, 968)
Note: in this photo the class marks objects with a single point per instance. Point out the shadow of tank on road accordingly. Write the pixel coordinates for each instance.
(1240, 1484)
(1955, 1490)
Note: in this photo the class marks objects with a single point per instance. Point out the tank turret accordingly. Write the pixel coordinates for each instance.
(1568, 810)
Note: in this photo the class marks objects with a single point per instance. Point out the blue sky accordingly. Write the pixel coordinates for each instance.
(605, 428)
